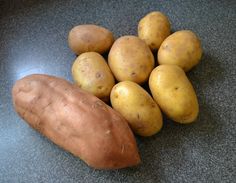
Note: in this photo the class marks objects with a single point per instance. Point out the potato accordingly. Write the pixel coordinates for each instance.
(76, 121)
(174, 93)
(86, 38)
(91, 72)
(130, 59)
(138, 107)
(153, 29)
(183, 48)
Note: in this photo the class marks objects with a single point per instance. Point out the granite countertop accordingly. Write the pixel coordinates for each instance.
(33, 39)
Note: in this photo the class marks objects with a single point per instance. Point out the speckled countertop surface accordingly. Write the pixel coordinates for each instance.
(33, 39)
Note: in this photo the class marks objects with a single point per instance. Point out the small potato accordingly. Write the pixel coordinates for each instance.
(183, 48)
(153, 29)
(87, 38)
(138, 107)
(174, 93)
(130, 59)
(91, 72)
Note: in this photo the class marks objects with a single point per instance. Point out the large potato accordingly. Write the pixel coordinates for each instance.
(138, 107)
(76, 121)
(86, 38)
(153, 29)
(174, 93)
(91, 72)
(183, 48)
(130, 59)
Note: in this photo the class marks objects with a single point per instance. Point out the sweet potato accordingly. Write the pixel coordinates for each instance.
(76, 121)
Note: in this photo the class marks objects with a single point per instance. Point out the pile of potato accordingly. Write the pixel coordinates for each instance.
(131, 63)
(76, 116)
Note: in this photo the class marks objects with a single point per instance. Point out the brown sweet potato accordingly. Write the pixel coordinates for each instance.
(76, 121)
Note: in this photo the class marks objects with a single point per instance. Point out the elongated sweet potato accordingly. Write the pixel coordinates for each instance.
(76, 121)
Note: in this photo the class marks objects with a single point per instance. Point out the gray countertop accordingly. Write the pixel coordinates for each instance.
(33, 39)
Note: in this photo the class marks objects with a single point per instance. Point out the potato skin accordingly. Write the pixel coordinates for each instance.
(153, 29)
(91, 73)
(183, 48)
(131, 59)
(174, 93)
(138, 107)
(76, 121)
(88, 37)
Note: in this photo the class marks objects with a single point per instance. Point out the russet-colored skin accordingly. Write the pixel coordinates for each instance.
(153, 29)
(131, 59)
(174, 93)
(182, 48)
(76, 121)
(91, 73)
(90, 38)
(138, 107)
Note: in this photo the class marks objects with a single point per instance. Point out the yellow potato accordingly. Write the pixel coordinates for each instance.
(130, 59)
(174, 93)
(88, 37)
(138, 107)
(153, 29)
(91, 72)
(183, 48)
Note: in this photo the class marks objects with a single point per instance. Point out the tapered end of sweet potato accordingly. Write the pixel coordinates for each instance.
(116, 146)
(127, 157)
